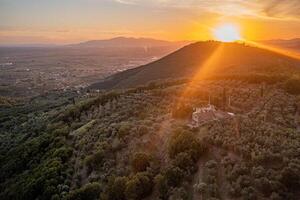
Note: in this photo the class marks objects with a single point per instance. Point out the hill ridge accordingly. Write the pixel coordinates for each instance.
(187, 60)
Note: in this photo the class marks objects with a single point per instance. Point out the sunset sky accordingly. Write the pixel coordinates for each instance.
(68, 21)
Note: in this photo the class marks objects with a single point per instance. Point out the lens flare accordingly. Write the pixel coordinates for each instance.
(227, 33)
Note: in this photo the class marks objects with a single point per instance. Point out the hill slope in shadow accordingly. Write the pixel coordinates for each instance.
(219, 58)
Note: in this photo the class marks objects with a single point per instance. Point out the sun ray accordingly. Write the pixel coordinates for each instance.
(278, 50)
(204, 70)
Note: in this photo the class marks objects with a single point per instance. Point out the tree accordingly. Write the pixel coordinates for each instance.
(184, 161)
(184, 141)
(264, 185)
(90, 191)
(292, 86)
(182, 112)
(290, 177)
(140, 162)
(95, 160)
(139, 186)
(63, 153)
(116, 188)
(162, 185)
(174, 176)
(124, 129)
(249, 193)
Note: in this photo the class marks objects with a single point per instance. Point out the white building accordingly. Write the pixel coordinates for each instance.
(207, 114)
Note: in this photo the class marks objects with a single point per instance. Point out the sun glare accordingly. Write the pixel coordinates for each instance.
(227, 33)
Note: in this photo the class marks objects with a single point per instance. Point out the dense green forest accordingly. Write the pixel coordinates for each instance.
(138, 143)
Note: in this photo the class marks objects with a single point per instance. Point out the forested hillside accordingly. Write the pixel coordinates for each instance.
(139, 143)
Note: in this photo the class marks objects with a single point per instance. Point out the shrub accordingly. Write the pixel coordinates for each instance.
(264, 185)
(171, 177)
(179, 193)
(162, 185)
(249, 193)
(95, 160)
(64, 131)
(143, 130)
(290, 178)
(63, 153)
(184, 141)
(292, 86)
(124, 129)
(139, 186)
(200, 187)
(174, 176)
(182, 112)
(184, 161)
(140, 162)
(275, 196)
(116, 188)
(90, 191)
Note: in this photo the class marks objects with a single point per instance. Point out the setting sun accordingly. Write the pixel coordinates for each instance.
(227, 33)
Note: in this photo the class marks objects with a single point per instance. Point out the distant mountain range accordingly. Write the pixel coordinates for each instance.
(187, 61)
(113, 42)
(29, 45)
(129, 42)
(291, 44)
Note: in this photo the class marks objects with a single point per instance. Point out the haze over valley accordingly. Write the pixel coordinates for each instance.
(31, 71)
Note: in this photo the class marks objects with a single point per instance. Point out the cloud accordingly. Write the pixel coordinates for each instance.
(128, 2)
(225, 7)
(12, 34)
(280, 9)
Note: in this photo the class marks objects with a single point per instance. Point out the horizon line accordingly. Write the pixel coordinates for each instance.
(46, 44)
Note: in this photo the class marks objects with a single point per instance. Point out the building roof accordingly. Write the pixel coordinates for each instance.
(209, 113)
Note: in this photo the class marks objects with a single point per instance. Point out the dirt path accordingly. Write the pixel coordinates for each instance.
(157, 142)
(216, 154)
(157, 145)
(199, 176)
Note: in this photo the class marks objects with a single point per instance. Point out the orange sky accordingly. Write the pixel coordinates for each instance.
(68, 21)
